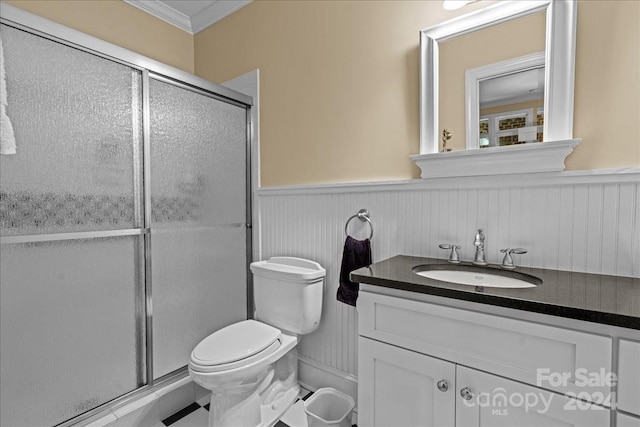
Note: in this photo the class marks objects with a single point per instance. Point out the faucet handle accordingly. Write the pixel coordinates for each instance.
(507, 261)
(453, 256)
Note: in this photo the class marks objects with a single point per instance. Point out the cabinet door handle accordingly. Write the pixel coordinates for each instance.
(443, 385)
(466, 393)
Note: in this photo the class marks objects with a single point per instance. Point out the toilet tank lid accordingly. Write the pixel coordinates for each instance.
(289, 268)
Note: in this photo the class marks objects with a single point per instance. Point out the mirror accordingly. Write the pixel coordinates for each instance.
(558, 60)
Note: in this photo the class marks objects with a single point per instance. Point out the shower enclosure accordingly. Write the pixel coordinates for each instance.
(124, 221)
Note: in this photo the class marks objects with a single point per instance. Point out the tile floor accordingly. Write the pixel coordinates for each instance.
(196, 415)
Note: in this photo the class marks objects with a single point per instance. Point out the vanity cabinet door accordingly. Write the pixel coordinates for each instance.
(488, 400)
(398, 387)
(629, 377)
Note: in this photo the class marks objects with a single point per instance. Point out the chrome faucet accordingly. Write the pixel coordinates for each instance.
(478, 242)
(507, 261)
(454, 258)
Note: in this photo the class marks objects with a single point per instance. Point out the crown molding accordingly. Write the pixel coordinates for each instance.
(216, 12)
(192, 25)
(162, 11)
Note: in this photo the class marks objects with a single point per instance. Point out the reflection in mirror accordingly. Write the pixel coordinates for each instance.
(511, 89)
(497, 43)
(511, 108)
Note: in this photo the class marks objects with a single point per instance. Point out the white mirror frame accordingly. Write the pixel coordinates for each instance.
(559, 86)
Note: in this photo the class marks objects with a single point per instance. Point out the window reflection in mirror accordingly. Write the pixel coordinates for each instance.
(512, 108)
(506, 40)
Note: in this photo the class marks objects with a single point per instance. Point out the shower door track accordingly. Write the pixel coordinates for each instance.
(150, 69)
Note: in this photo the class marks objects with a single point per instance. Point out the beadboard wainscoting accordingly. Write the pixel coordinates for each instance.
(587, 221)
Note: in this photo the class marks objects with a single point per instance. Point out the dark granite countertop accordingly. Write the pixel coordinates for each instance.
(595, 298)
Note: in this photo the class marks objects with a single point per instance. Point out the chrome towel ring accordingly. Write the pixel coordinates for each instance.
(362, 215)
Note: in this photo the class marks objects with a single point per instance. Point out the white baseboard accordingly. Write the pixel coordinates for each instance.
(320, 375)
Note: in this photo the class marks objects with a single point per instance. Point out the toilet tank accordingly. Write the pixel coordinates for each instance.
(288, 293)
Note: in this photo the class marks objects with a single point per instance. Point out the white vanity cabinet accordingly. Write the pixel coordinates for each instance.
(490, 364)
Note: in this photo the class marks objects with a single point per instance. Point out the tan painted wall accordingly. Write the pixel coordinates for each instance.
(607, 100)
(510, 39)
(339, 84)
(121, 24)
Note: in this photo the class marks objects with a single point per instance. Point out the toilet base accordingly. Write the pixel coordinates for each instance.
(250, 413)
(272, 413)
(257, 403)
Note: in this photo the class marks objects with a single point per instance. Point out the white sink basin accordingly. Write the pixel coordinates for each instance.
(477, 276)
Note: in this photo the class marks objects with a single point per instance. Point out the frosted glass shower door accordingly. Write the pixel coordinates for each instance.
(198, 216)
(71, 280)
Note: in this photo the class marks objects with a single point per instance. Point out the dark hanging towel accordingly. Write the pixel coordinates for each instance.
(356, 254)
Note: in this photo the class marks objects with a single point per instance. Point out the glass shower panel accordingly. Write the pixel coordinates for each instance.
(69, 327)
(76, 118)
(198, 215)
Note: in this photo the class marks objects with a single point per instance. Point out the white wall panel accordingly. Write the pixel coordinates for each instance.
(579, 221)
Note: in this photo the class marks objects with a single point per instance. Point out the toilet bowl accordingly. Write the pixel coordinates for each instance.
(237, 364)
(251, 366)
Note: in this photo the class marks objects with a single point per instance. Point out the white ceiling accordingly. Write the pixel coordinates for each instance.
(521, 86)
(191, 16)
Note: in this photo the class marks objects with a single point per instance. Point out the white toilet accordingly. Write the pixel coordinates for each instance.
(251, 366)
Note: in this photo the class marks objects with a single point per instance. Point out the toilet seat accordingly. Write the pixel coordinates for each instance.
(236, 345)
